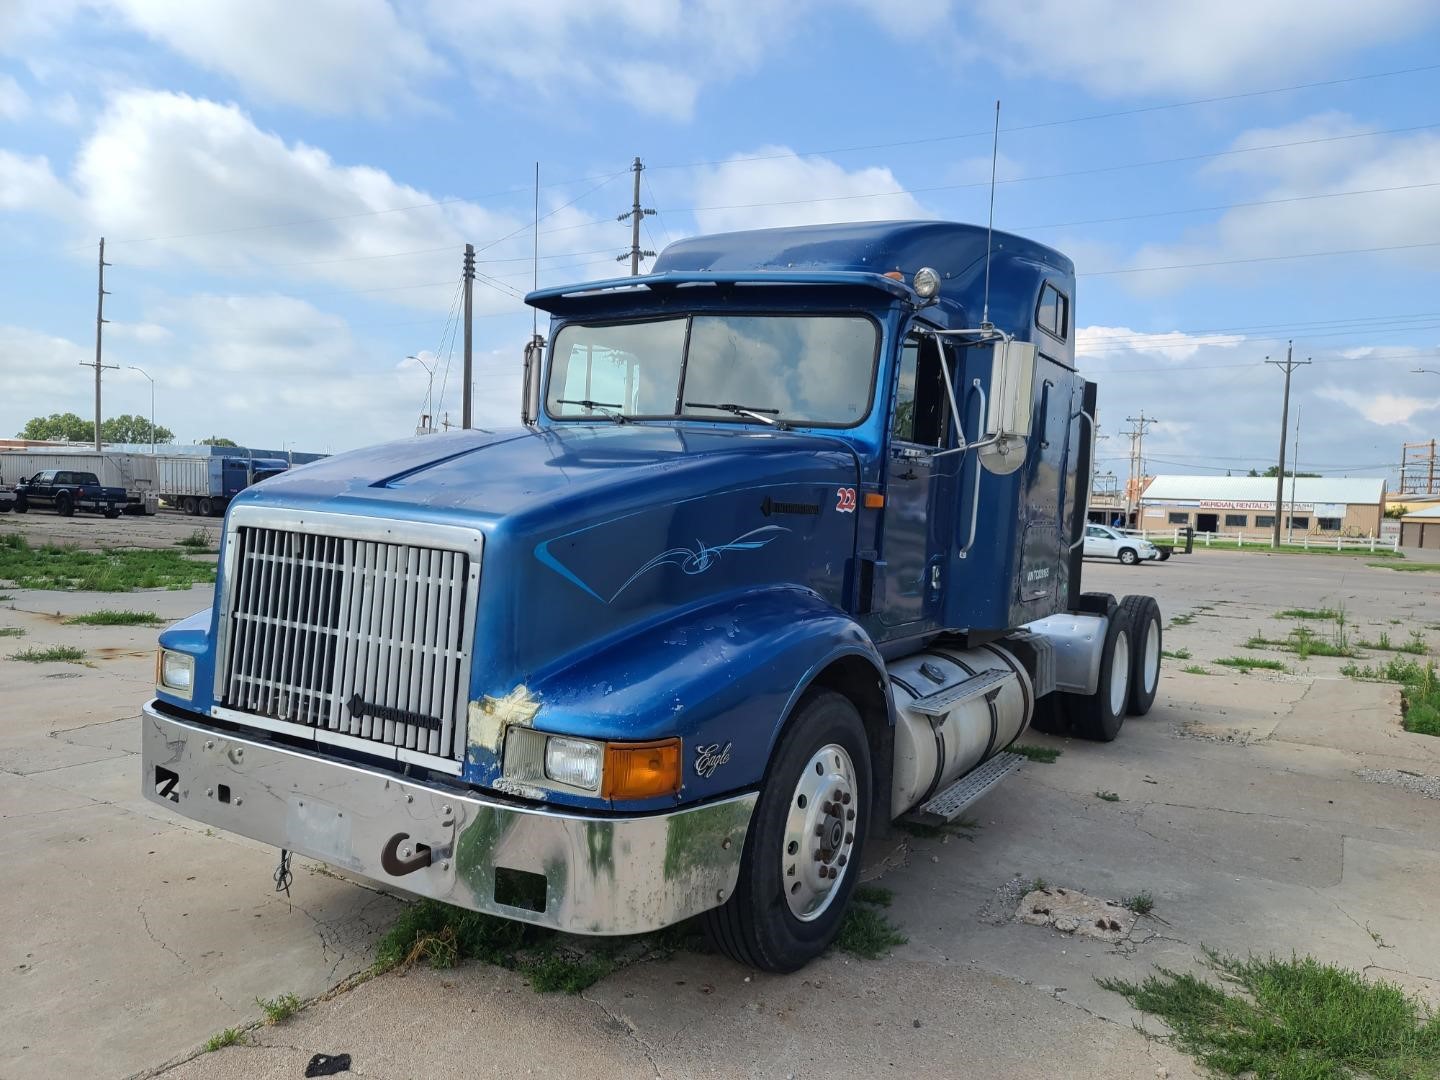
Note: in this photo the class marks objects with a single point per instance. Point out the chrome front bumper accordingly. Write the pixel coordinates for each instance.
(600, 875)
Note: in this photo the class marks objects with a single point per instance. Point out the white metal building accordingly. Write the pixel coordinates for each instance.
(1313, 506)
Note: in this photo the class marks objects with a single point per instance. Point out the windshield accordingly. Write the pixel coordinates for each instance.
(804, 369)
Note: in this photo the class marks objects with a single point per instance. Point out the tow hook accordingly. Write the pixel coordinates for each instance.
(398, 863)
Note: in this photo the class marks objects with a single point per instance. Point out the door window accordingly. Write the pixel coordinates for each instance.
(920, 396)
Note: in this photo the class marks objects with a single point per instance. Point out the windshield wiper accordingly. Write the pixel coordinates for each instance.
(738, 410)
(604, 406)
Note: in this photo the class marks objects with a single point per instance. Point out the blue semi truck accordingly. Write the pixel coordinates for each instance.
(787, 547)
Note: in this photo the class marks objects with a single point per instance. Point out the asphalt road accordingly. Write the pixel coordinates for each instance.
(1254, 809)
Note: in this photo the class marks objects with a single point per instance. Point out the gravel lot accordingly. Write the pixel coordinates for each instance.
(92, 532)
(1265, 812)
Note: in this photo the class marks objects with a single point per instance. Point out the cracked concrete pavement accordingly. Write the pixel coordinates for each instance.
(1248, 808)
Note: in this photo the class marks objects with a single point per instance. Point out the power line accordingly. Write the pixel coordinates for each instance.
(1261, 258)
(1240, 96)
(1097, 170)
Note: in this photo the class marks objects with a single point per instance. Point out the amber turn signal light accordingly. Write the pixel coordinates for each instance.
(641, 770)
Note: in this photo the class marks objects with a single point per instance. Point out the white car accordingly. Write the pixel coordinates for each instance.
(1103, 542)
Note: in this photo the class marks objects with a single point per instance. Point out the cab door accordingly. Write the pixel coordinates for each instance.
(919, 491)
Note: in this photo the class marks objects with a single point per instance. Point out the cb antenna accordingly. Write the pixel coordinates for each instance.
(535, 257)
(990, 227)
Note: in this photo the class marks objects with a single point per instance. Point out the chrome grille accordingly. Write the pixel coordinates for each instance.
(359, 637)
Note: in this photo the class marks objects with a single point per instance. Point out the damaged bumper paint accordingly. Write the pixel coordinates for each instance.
(584, 875)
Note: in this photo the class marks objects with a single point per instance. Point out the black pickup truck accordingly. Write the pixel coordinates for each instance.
(68, 491)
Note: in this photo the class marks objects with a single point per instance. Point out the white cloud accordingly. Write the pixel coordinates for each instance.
(655, 55)
(798, 191)
(1406, 215)
(1171, 347)
(14, 102)
(1383, 407)
(326, 55)
(27, 184)
(1120, 48)
(200, 181)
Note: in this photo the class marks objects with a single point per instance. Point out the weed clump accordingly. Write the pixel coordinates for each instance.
(54, 654)
(116, 618)
(1250, 663)
(1295, 1019)
(1142, 903)
(111, 570)
(867, 933)
(1046, 755)
(279, 1009)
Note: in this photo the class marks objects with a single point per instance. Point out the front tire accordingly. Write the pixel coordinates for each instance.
(1129, 557)
(22, 504)
(64, 504)
(802, 855)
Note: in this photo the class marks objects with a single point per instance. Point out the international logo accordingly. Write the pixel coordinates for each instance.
(359, 707)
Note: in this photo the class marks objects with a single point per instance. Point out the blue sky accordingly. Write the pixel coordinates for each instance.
(286, 188)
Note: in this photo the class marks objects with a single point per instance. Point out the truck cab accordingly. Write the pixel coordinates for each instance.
(786, 546)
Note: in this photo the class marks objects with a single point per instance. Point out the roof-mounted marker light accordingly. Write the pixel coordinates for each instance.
(926, 283)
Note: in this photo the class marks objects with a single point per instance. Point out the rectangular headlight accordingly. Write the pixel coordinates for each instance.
(177, 672)
(573, 762)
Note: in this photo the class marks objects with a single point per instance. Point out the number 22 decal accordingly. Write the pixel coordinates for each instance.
(845, 500)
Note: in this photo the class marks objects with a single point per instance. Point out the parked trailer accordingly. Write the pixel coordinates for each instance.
(788, 545)
(136, 473)
(204, 486)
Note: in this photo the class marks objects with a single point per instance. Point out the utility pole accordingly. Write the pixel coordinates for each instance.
(100, 321)
(1136, 435)
(1294, 468)
(635, 215)
(469, 275)
(1288, 365)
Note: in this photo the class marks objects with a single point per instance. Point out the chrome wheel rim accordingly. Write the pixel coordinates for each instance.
(1120, 674)
(819, 842)
(1150, 674)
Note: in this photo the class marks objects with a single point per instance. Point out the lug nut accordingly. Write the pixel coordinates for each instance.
(845, 798)
(849, 838)
(837, 793)
(849, 815)
(819, 830)
(818, 856)
(841, 860)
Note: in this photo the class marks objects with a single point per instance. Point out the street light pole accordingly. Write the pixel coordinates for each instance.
(430, 392)
(152, 406)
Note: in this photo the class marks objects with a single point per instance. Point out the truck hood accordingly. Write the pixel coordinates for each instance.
(485, 476)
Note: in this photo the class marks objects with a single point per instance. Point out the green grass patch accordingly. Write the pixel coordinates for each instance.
(1196, 669)
(1319, 614)
(112, 570)
(117, 618)
(867, 933)
(444, 936)
(1415, 645)
(1046, 755)
(1142, 903)
(1305, 643)
(1175, 654)
(199, 540)
(1295, 1019)
(1420, 693)
(1183, 619)
(873, 894)
(1250, 663)
(1107, 796)
(221, 1039)
(53, 654)
(279, 1009)
(1409, 567)
(11, 631)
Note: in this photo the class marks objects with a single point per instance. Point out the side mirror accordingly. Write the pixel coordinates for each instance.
(530, 390)
(1012, 383)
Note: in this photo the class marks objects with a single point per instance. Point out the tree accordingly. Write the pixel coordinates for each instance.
(58, 427)
(133, 429)
(62, 427)
(216, 440)
(1274, 471)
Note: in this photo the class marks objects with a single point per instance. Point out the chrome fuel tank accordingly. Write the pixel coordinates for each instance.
(954, 709)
